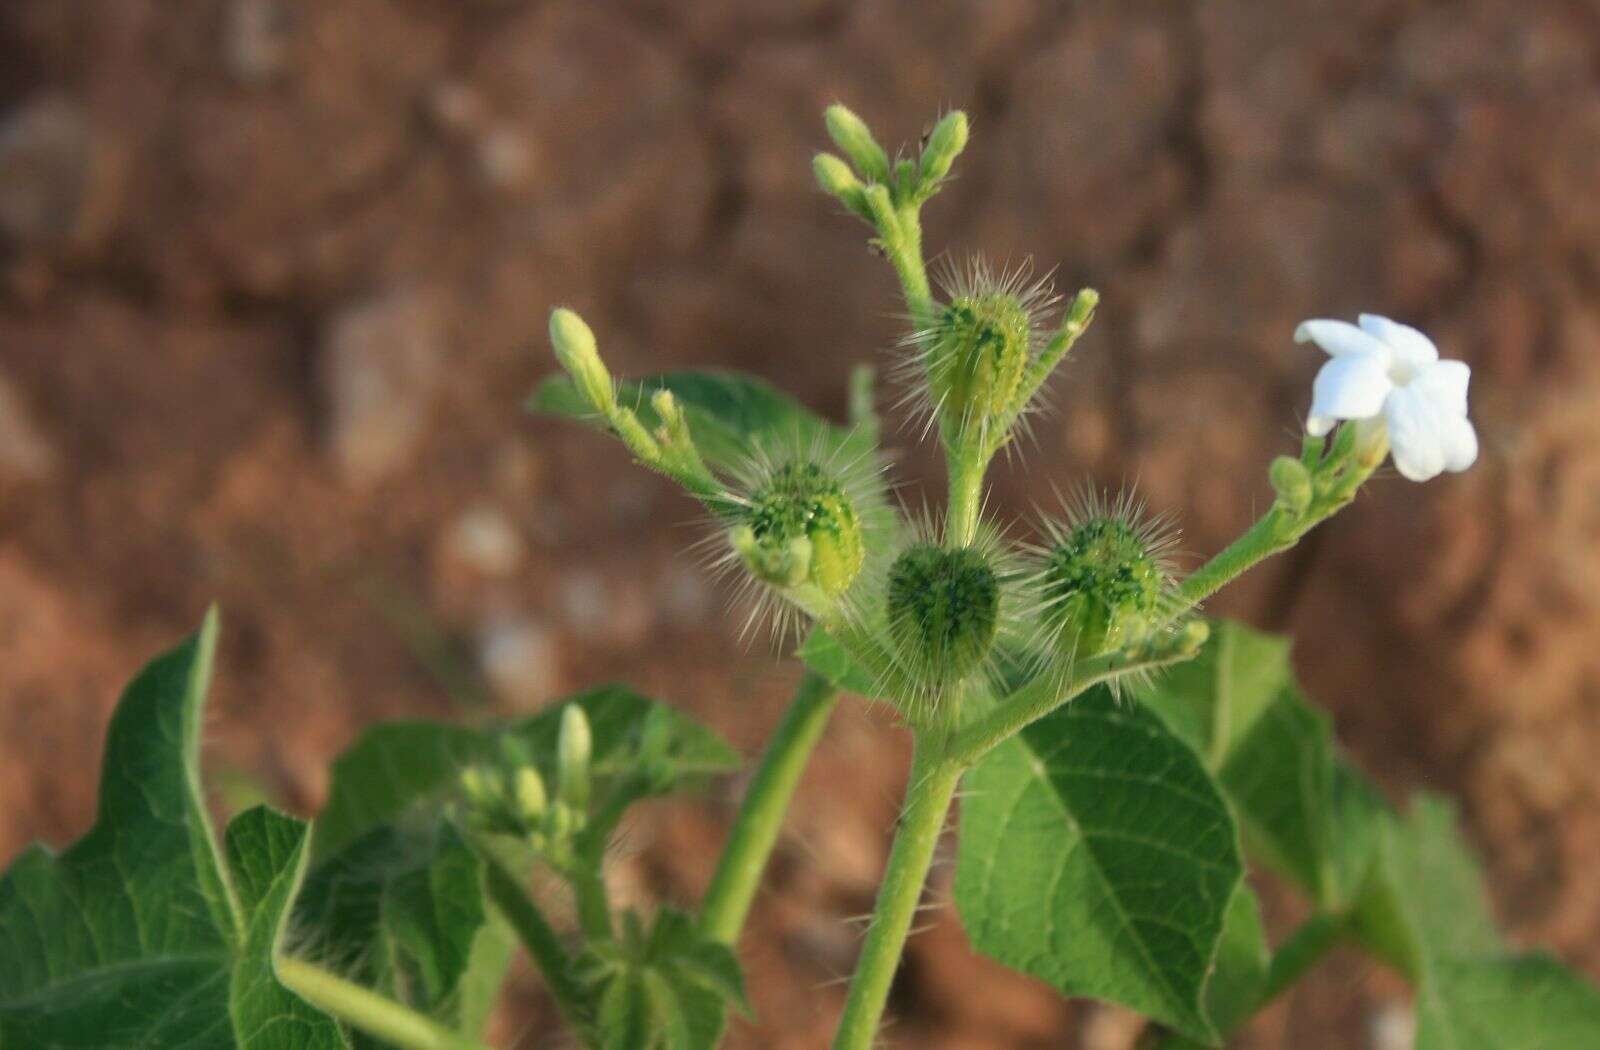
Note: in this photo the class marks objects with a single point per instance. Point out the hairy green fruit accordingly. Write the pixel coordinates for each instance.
(978, 353)
(944, 611)
(802, 528)
(1102, 585)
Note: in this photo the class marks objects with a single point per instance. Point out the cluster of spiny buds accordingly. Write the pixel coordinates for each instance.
(509, 797)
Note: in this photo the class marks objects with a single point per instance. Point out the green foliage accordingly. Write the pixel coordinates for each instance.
(1096, 854)
(1303, 810)
(143, 933)
(667, 988)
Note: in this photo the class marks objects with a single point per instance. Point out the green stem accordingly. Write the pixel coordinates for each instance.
(1043, 695)
(589, 894)
(1273, 532)
(1305, 947)
(538, 938)
(755, 832)
(903, 245)
(362, 1008)
(928, 792)
(967, 464)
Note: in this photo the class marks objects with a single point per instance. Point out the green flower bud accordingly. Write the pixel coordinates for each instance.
(850, 133)
(944, 612)
(1102, 585)
(482, 787)
(801, 527)
(1292, 482)
(834, 175)
(945, 143)
(576, 350)
(531, 798)
(574, 744)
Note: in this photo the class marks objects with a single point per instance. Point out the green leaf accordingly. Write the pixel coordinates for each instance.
(728, 412)
(1097, 854)
(1426, 900)
(822, 653)
(140, 935)
(403, 911)
(267, 849)
(401, 765)
(1303, 811)
(1234, 988)
(1527, 1002)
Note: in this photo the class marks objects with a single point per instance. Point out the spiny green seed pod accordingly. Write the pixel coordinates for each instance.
(1292, 482)
(576, 350)
(574, 743)
(801, 527)
(530, 794)
(850, 133)
(945, 143)
(979, 351)
(1102, 584)
(944, 612)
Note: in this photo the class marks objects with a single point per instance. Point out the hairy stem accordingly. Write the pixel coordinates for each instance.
(744, 858)
(538, 938)
(903, 245)
(1043, 695)
(967, 465)
(928, 792)
(362, 1008)
(589, 894)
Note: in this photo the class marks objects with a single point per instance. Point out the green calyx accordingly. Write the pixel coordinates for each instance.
(1101, 586)
(801, 528)
(944, 611)
(977, 354)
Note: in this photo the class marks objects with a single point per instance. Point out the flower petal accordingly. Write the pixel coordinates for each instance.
(1445, 384)
(1460, 443)
(1317, 426)
(1353, 386)
(1411, 348)
(1341, 338)
(1416, 433)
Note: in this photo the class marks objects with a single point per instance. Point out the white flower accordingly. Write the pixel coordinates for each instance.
(1391, 373)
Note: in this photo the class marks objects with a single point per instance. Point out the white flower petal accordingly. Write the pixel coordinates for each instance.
(1317, 426)
(1411, 348)
(1445, 384)
(1416, 434)
(1341, 338)
(1460, 443)
(1353, 386)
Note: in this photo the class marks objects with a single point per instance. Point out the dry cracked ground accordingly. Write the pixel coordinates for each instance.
(273, 278)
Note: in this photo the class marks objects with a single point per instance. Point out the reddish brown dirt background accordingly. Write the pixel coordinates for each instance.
(273, 281)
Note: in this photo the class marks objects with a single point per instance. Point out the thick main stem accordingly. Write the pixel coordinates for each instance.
(928, 792)
(755, 832)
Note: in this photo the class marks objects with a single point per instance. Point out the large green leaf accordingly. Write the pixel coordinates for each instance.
(1527, 1002)
(1303, 810)
(139, 935)
(401, 765)
(1097, 854)
(728, 412)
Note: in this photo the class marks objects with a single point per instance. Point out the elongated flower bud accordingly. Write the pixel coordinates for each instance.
(573, 746)
(576, 350)
(850, 133)
(944, 612)
(834, 175)
(945, 143)
(532, 801)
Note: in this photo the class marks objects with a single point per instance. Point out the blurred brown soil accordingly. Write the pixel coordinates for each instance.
(273, 279)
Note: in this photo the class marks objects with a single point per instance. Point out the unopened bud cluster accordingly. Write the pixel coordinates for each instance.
(510, 798)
